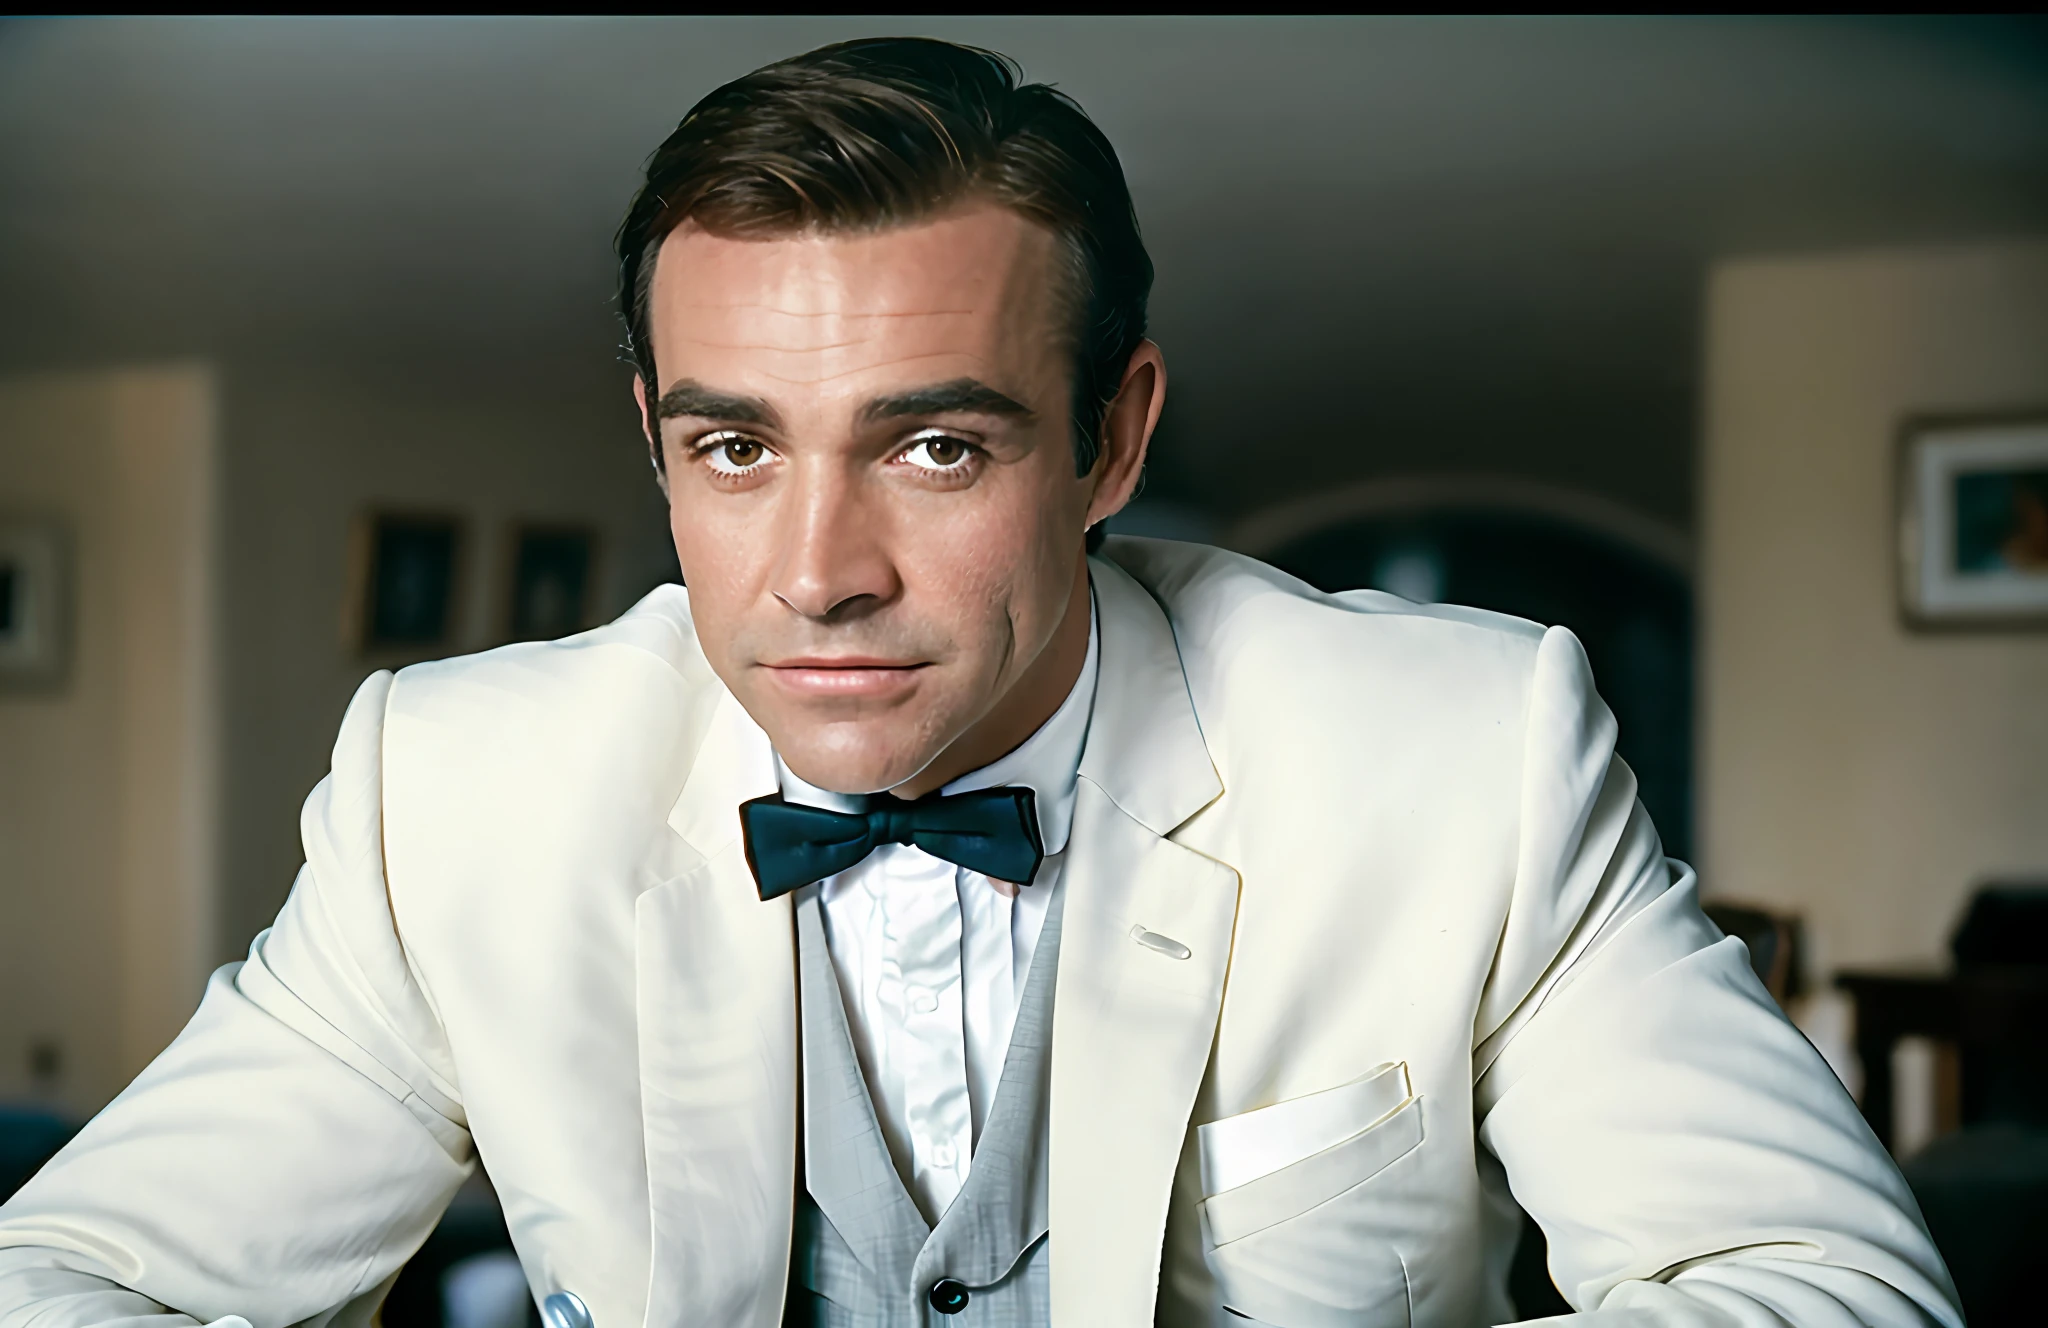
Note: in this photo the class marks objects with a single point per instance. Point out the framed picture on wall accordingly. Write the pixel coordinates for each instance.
(35, 602)
(1973, 523)
(404, 580)
(551, 589)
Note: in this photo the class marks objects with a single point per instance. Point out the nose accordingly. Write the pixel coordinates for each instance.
(834, 563)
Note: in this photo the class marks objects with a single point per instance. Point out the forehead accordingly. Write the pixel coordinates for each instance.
(974, 292)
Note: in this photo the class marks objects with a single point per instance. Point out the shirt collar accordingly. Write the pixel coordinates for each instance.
(1048, 762)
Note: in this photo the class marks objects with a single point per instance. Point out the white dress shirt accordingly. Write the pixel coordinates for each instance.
(932, 958)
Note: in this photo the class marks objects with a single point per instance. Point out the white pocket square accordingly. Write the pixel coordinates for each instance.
(1315, 1180)
(1239, 1149)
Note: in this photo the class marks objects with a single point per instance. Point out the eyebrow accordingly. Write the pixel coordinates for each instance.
(690, 397)
(959, 395)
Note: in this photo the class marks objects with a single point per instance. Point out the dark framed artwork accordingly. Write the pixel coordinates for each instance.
(1973, 523)
(405, 580)
(35, 602)
(551, 587)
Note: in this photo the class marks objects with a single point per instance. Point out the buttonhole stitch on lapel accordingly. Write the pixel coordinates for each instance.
(1165, 945)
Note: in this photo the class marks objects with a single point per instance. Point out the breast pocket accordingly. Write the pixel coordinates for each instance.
(1295, 1233)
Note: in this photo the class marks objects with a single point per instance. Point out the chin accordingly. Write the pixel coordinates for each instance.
(848, 772)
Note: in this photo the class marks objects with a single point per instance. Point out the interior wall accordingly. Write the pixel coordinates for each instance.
(1867, 775)
(306, 453)
(108, 788)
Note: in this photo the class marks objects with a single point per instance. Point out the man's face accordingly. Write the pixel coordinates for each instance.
(871, 478)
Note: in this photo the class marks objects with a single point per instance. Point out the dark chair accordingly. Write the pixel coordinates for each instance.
(1982, 1186)
(2005, 935)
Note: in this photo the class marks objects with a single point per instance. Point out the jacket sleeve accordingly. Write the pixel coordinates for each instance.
(1690, 1157)
(293, 1146)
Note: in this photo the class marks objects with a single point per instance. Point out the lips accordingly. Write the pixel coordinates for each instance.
(851, 677)
(844, 662)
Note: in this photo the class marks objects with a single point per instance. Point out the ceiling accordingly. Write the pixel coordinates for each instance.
(1384, 246)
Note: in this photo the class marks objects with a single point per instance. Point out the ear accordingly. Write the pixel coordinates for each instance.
(647, 431)
(1127, 432)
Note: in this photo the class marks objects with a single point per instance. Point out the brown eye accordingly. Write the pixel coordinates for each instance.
(734, 455)
(937, 451)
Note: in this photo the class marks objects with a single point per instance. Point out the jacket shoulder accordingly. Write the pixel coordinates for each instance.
(1361, 681)
(654, 642)
(1226, 605)
(576, 715)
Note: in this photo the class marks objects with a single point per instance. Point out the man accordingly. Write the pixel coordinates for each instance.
(919, 918)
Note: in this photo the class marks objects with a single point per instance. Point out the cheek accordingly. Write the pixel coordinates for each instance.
(994, 572)
(717, 563)
(711, 530)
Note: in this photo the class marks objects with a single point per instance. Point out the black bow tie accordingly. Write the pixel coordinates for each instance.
(991, 831)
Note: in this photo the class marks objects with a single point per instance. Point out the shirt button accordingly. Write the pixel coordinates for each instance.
(942, 1156)
(948, 1296)
(923, 1001)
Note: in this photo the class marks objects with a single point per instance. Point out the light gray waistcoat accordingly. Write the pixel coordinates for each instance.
(863, 1255)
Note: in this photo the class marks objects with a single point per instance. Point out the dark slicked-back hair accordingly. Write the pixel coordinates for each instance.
(865, 135)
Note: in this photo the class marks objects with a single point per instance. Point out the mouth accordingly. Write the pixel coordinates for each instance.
(845, 676)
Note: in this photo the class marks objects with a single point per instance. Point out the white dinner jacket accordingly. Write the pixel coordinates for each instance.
(1319, 841)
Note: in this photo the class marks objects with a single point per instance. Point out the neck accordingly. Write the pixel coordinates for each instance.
(1023, 709)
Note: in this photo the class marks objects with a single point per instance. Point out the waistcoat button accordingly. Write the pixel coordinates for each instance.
(948, 1296)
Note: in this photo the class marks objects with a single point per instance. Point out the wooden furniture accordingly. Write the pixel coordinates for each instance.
(1982, 1008)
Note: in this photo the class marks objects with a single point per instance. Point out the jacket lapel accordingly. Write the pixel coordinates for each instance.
(1143, 955)
(716, 997)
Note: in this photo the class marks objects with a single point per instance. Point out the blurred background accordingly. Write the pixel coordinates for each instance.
(308, 366)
